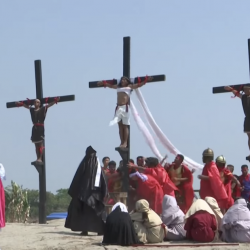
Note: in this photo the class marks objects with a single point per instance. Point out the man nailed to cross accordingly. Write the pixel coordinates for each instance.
(245, 99)
(122, 117)
(38, 115)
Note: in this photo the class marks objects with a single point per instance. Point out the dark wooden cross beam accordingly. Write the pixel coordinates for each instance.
(221, 89)
(238, 87)
(41, 169)
(125, 154)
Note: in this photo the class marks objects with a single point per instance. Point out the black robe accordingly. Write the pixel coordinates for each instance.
(119, 229)
(86, 207)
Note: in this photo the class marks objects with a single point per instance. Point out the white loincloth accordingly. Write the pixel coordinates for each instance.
(121, 114)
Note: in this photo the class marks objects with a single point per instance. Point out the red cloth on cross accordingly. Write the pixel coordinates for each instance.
(214, 186)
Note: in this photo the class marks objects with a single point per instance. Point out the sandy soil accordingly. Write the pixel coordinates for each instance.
(53, 236)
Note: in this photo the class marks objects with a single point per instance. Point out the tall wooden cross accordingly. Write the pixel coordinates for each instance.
(125, 154)
(238, 87)
(41, 169)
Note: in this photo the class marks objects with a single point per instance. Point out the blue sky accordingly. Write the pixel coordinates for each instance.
(196, 44)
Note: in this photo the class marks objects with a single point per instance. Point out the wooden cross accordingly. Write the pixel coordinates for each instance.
(238, 87)
(125, 154)
(41, 169)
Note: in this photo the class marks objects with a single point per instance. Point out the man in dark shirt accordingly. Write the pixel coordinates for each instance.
(245, 99)
(38, 115)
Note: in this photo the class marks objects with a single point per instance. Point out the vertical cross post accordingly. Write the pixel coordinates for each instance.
(126, 72)
(42, 169)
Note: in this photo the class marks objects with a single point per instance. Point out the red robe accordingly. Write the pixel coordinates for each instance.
(2, 205)
(160, 174)
(151, 191)
(185, 193)
(201, 226)
(214, 186)
(236, 191)
(226, 178)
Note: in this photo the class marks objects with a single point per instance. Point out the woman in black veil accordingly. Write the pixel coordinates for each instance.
(87, 190)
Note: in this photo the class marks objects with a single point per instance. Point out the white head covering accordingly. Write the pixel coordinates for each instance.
(2, 172)
(237, 212)
(198, 205)
(122, 207)
(215, 207)
(171, 213)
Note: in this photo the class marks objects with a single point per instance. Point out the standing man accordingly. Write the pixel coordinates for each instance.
(245, 182)
(105, 162)
(38, 115)
(140, 161)
(211, 184)
(236, 190)
(87, 190)
(226, 178)
(182, 177)
(124, 90)
(245, 100)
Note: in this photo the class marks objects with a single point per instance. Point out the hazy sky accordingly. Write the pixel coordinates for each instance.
(196, 44)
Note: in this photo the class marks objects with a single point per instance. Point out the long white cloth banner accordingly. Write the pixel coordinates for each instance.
(161, 136)
(146, 133)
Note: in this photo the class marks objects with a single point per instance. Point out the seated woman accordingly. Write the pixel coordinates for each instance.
(236, 223)
(119, 229)
(215, 207)
(173, 218)
(148, 225)
(200, 222)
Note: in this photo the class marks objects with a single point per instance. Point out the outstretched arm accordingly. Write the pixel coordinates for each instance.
(140, 84)
(106, 84)
(21, 104)
(237, 93)
(54, 102)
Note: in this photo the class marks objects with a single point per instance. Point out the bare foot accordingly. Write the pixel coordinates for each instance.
(123, 146)
(39, 160)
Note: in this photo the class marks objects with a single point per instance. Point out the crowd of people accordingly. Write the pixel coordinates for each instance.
(161, 204)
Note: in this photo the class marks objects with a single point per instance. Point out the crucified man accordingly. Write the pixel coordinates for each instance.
(245, 99)
(38, 115)
(124, 90)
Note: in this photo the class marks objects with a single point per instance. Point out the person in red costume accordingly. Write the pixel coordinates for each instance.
(245, 182)
(105, 162)
(226, 178)
(235, 189)
(153, 168)
(211, 184)
(182, 177)
(149, 189)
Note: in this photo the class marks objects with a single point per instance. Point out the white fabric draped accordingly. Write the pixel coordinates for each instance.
(146, 133)
(2, 172)
(158, 132)
(98, 174)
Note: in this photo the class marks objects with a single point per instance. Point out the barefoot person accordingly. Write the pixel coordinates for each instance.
(124, 90)
(245, 99)
(38, 115)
